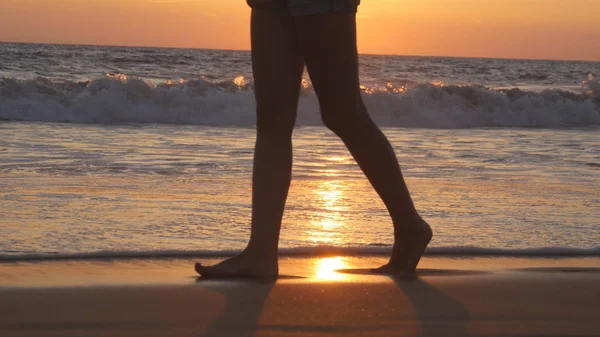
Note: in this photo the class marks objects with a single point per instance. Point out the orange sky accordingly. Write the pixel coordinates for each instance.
(548, 29)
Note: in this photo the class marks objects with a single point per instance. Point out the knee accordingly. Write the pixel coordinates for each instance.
(275, 121)
(335, 121)
(343, 121)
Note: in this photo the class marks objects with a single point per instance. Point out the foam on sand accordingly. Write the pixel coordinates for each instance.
(315, 251)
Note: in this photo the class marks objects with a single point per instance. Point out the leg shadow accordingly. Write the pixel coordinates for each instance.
(438, 313)
(245, 302)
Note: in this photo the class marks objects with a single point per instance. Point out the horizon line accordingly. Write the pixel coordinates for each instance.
(248, 50)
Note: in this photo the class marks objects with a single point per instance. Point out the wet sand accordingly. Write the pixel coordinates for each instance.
(452, 297)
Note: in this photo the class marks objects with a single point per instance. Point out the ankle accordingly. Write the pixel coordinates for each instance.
(413, 229)
(261, 253)
(408, 223)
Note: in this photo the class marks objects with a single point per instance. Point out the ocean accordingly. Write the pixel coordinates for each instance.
(147, 152)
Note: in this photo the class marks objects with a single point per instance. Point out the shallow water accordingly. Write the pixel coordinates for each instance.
(67, 188)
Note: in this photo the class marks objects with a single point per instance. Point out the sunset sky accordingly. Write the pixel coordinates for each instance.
(547, 29)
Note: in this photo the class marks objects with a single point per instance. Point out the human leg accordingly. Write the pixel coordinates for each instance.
(277, 69)
(328, 45)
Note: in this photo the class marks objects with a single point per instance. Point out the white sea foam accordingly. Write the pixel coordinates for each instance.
(592, 86)
(122, 99)
(304, 251)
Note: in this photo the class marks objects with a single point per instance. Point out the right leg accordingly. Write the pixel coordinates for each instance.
(328, 45)
(277, 67)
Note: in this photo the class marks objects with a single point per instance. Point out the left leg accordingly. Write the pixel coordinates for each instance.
(277, 68)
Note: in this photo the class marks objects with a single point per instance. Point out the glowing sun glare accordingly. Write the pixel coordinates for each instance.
(326, 267)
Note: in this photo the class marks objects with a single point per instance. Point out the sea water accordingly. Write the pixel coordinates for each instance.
(114, 151)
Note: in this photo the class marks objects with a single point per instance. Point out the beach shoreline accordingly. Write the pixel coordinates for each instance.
(452, 297)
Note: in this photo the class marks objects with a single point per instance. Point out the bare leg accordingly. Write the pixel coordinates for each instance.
(328, 45)
(277, 68)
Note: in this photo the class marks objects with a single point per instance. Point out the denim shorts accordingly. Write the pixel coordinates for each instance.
(314, 7)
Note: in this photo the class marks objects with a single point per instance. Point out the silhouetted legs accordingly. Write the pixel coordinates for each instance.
(327, 43)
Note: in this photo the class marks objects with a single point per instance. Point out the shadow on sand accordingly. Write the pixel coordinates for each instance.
(245, 299)
(438, 313)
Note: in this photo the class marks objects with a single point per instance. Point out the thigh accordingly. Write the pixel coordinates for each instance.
(277, 67)
(328, 44)
(315, 7)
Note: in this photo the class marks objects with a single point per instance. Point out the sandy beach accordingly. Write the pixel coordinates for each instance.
(139, 138)
(452, 297)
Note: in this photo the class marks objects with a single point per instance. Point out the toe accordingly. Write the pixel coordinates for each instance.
(200, 269)
(384, 270)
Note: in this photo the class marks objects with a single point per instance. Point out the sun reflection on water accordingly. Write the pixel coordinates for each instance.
(240, 81)
(328, 216)
(325, 269)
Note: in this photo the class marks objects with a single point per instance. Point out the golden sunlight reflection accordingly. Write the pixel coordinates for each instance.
(174, 82)
(119, 77)
(240, 81)
(325, 268)
(367, 90)
(329, 198)
(328, 224)
(330, 172)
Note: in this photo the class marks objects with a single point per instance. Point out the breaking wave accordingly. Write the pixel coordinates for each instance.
(117, 99)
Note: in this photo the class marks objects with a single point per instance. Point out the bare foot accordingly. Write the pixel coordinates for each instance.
(245, 265)
(407, 251)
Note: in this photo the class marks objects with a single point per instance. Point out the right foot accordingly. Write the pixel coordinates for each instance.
(245, 265)
(408, 250)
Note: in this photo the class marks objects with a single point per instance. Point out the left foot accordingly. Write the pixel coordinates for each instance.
(407, 251)
(245, 265)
